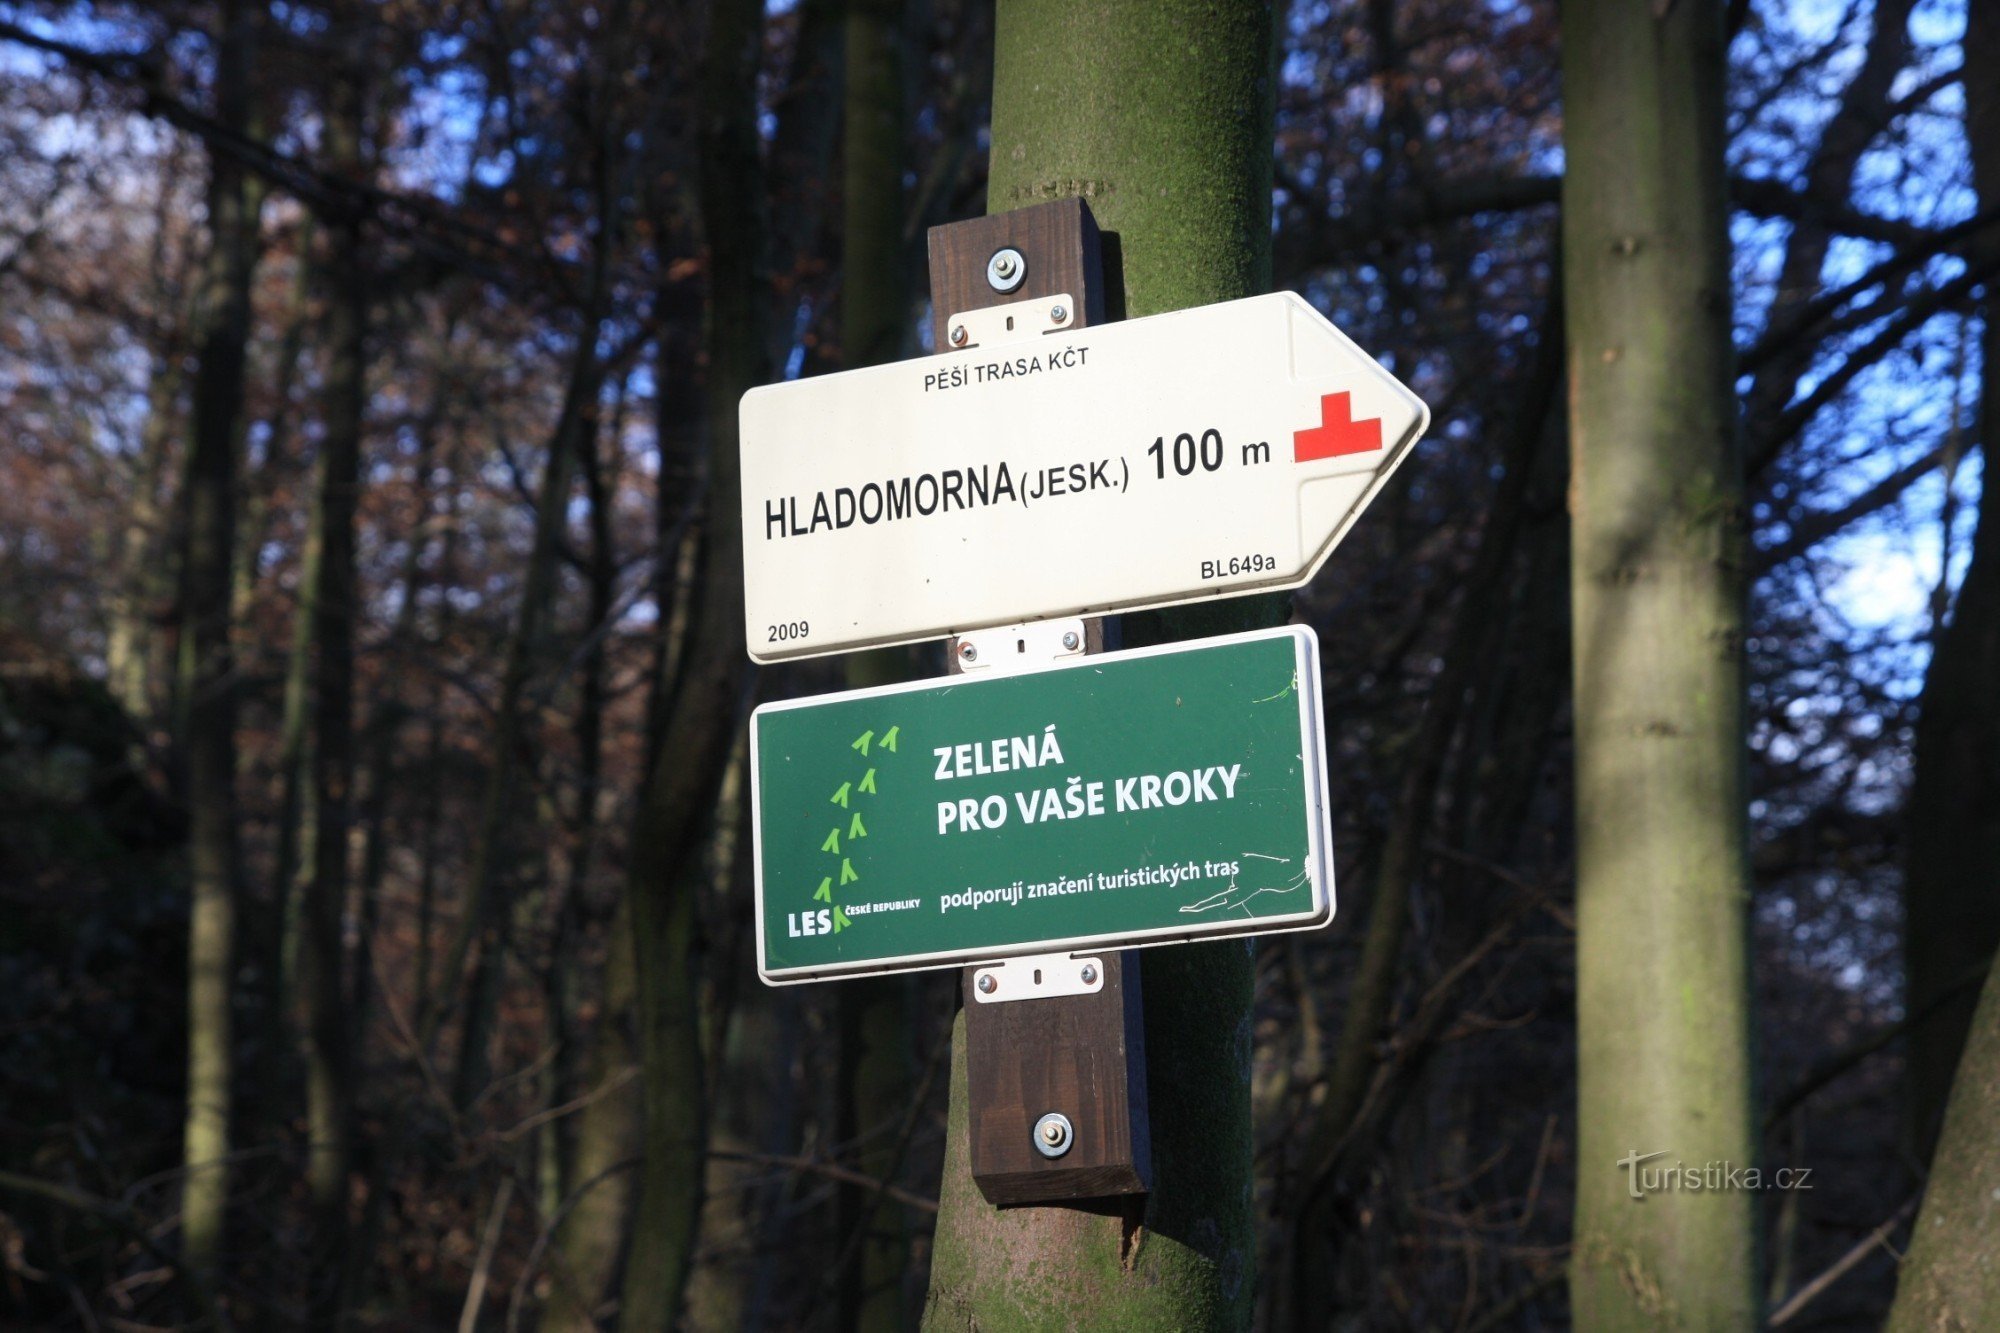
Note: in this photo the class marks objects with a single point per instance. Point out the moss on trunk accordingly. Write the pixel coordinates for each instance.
(1655, 498)
(1159, 114)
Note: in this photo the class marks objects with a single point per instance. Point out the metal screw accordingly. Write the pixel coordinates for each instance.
(1070, 640)
(958, 335)
(986, 983)
(1053, 1134)
(966, 652)
(1058, 314)
(1005, 270)
(1090, 974)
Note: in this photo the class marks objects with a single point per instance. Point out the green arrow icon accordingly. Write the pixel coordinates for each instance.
(889, 739)
(867, 784)
(856, 829)
(824, 894)
(840, 921)
(832, 843)
(861, 742)
(847, 875)
(839, 798)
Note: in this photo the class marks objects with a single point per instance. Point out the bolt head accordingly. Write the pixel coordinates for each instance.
(958, 335)
(1059, 314)
(1053, 1135)
(986, 983)
(1089, 975)
(1006, 269)
(1070, 641)
(967, 653)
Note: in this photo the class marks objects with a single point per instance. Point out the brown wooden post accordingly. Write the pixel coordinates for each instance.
(1082, 1056)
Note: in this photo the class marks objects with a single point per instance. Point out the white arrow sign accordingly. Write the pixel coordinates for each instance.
(1214, 451)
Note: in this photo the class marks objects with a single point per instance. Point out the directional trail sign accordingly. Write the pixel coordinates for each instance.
(1148, 796)
(1220, 450)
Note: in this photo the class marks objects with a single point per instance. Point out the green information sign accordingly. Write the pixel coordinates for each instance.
(1143, 797)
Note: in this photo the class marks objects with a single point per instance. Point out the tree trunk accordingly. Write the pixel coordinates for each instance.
(483, 936)
(1480, 611)
(590, 1244)
(262, 940)
(1950, 1282)
(128, 649)
(1952, 894)
(1159, 113)
(1663, 1023)
(336, 606)
(572, 914)
(873, 1022)
(207, 667)
(705, 702)
(268, 478)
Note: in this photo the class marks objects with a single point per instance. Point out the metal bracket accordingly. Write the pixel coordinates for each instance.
(1020, 647)
(1017, 321)
(1041, 976)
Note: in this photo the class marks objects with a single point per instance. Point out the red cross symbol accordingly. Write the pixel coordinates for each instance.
(1337, 433)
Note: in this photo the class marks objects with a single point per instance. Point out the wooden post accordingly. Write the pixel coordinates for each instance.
(1083, 1056)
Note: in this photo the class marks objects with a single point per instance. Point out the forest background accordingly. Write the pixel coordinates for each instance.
(372, 676)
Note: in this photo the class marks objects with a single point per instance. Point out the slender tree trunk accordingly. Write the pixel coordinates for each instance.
(1159, 112)
(336, 608)
(1950, 1282)
(572, 909)
(207, 667)
(592, 1241)
(590, 1245)
(1952, 895)
(128, 655)
(385, 723)
(705, 704)
(874, 1077)
(267, 1110)
(257, 498)
(489, 899)
(801, 165)
(1403, 857)
(1656, 498)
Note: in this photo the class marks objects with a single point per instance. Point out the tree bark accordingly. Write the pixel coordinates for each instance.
(1159, 114)
(1656, 502)
(1950, 1282)
(705, 700)
(1952, 891)
(266, 926)
(572, 914)
(336, 606)
(129, 658)
(207, 666)
(874, 1015)
(483, 936)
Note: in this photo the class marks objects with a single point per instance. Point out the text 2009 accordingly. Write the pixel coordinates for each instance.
(789, 632)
